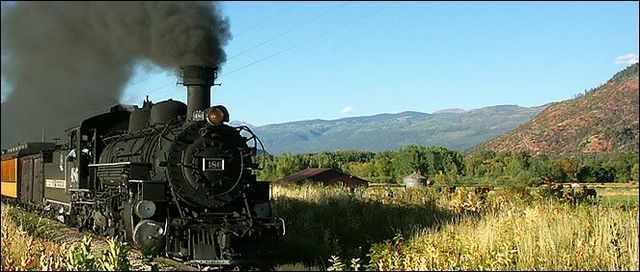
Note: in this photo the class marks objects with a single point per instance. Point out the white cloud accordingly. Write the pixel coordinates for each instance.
(347, 110)
(627, 59)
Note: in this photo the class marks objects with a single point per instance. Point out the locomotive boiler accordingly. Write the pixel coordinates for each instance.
(169, 178)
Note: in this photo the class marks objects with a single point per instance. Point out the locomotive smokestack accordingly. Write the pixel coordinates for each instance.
(198, 80)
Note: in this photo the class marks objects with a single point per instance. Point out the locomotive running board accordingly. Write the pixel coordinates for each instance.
(109, 164)
(146, 181)
(57, 202)
(117, 163)
(213, 262)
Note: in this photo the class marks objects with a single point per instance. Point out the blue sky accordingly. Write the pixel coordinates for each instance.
(339, 59)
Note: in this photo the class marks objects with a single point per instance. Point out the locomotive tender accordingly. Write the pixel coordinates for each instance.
(169, 178)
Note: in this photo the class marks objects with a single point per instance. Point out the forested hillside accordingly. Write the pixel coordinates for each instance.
(602, 120)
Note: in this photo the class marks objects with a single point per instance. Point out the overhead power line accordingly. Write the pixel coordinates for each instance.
(289, 30)
(296, 45)
(248, 30)
(146, 79)
(309, 40)
(261, 23)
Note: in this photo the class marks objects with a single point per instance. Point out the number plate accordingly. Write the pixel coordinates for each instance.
(212, 164)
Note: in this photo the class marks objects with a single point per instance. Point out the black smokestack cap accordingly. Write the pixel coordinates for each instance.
(198, 80)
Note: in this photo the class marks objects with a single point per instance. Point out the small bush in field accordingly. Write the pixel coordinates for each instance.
(80, 257)
(336, 264)
(115, 258)
(575, 193)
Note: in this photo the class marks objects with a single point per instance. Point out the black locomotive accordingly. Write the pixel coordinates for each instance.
(167, 177)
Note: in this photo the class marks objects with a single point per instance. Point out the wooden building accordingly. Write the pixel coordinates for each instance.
(326, 176)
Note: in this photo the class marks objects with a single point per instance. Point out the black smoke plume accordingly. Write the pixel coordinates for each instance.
(69, 60)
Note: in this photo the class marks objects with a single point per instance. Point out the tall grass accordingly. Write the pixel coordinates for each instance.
(545, 236)
(21, 251)
(29, 242)
(335, 228)
(323, 221)
(395, 229)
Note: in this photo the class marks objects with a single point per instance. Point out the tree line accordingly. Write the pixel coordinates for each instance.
(450, 167)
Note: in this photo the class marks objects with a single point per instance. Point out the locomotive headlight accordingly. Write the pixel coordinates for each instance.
(217, 115)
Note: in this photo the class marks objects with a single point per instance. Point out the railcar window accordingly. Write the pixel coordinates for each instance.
(72, 155)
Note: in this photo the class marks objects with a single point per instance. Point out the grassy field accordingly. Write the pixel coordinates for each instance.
(330, 228)
(618, 193)
(394, 229)
(544, 236)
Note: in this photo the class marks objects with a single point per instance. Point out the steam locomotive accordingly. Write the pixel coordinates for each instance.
(169, 178)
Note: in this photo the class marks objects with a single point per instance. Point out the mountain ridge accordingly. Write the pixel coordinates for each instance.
(602, 120)
(391, 131)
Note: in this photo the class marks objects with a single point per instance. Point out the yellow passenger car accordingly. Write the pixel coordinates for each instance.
(10, 177)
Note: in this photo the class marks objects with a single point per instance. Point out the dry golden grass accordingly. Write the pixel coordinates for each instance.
(30, 242)
(508, 230)
(546, 236)
(21, 251)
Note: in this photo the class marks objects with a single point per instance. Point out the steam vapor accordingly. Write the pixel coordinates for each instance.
(69, 60)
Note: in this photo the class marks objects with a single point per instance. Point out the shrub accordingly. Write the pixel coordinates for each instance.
(80, 257)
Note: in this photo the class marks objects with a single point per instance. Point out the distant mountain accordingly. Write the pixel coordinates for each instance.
(456, 130)
(456, 110)
(236, 123)
(602, 120)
